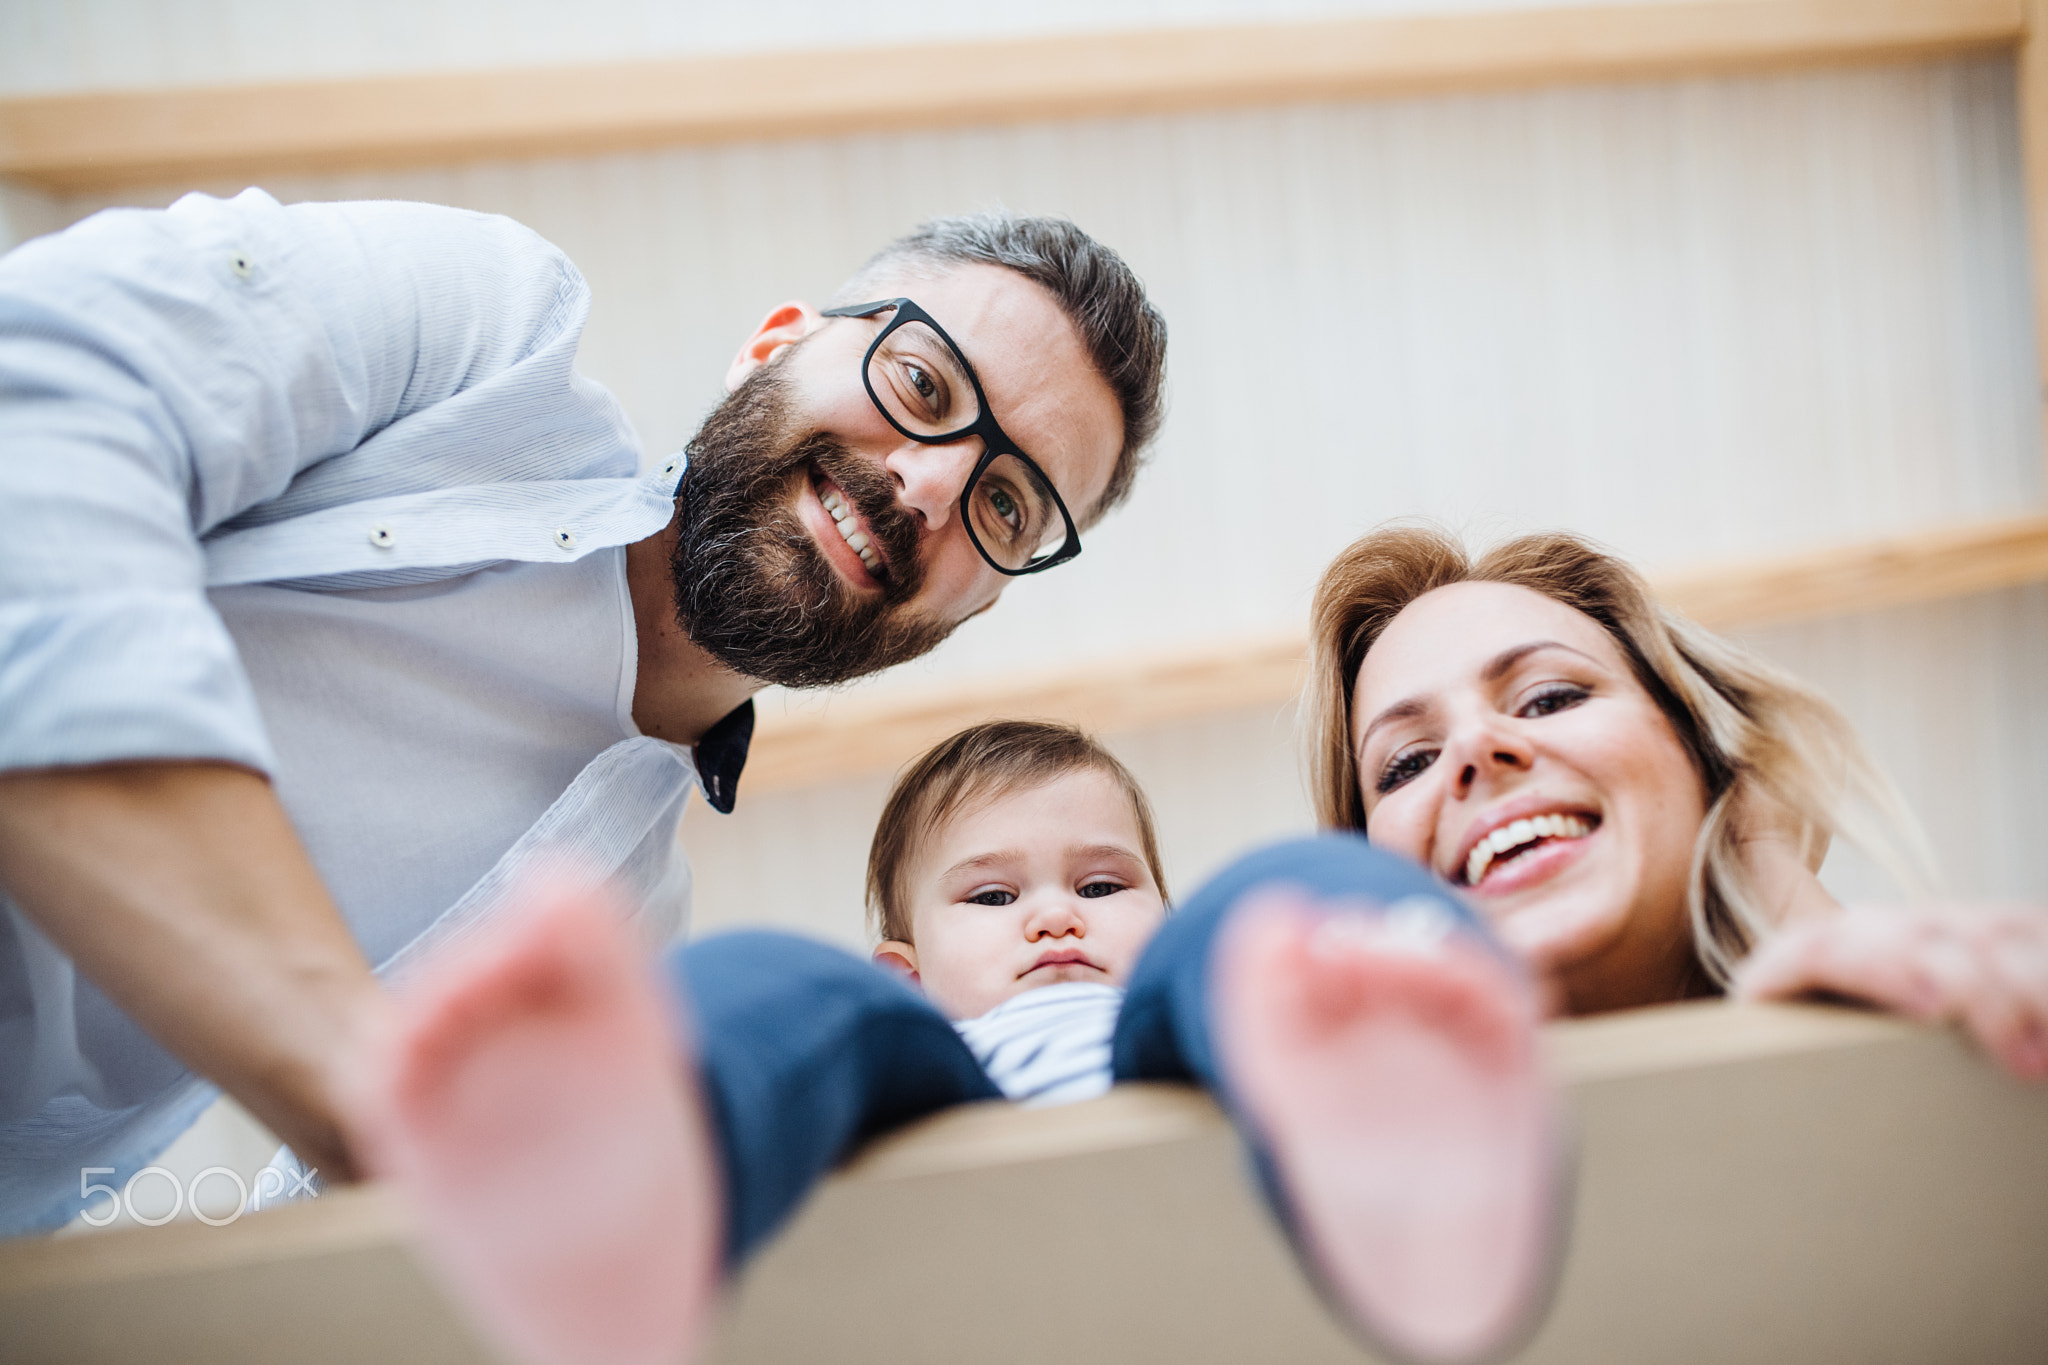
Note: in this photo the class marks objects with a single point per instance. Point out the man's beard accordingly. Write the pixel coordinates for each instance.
(752, 588)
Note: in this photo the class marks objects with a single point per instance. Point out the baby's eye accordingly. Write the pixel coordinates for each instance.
(1403, 768)
(993, 896)
(1097, 890)
(1551, 700)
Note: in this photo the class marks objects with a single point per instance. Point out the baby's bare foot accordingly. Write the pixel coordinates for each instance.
(1390, 1062)
(531, 1101)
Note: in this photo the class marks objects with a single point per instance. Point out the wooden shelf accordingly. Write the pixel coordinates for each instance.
(850, 737)
(845, 737)
(74, 142)
(1925, 566)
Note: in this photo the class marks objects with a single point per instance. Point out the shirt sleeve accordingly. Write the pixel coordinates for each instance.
(163, 373)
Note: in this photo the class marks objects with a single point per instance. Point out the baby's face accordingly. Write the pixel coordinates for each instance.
(1033, 887)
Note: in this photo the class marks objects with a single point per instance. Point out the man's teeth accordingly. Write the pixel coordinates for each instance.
(1515, 835)
(842, 516)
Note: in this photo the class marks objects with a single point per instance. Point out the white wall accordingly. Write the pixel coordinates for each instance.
(25, 213)
(1952, 698)
(1696, 319)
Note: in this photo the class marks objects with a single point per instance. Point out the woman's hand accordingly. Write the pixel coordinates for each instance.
(1985, 968)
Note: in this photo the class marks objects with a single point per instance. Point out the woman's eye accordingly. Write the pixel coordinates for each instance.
(1551, 700)
(992, 897)
(1403, 768)
(1097, 890)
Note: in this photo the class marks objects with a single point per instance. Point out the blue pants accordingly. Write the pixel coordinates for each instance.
(806, 1052)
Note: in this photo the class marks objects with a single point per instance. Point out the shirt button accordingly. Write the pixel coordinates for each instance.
(566, 539)
(242, 264)
(671, 467)
(381, 537)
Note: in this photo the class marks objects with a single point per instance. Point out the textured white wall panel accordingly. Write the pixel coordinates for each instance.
(25, 213)
(51, 45)
(1952, 698)
(1696, 319)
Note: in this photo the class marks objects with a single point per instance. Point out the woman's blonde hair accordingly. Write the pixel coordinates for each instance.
(1769, 751)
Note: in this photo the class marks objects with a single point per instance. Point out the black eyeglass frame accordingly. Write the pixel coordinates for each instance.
(994, 440)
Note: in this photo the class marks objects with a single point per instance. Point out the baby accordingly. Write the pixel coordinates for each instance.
(591, 1147)
(1015, 877)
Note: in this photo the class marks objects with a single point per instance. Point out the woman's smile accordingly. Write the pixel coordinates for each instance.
(1532, 862)
(1501, 845)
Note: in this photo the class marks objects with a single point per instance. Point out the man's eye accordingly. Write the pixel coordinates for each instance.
(991, 898)
(1005, 507)
(1551, 700)
(1097, 890)
(924, 391)
(1404, 767)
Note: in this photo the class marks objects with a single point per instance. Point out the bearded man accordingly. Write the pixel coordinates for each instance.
(333, 600)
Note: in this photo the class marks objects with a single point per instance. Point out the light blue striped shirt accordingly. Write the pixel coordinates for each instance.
(1050, 1045)
(233, 392)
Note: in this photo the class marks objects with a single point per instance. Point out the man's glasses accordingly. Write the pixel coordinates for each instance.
(919, 381)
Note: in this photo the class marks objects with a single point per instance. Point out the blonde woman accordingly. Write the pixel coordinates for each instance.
(1636, 805)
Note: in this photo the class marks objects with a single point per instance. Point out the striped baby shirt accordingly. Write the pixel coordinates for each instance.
(1049, 1045)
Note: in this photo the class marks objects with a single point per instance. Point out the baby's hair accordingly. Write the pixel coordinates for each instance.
(982, 762)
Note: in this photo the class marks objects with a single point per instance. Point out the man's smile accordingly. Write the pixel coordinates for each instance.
(848, 542)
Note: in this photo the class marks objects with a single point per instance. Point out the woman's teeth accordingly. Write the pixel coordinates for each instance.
(842, 516)
(1514, 836)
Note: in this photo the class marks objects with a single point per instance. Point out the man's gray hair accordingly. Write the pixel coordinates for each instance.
(1124, 334)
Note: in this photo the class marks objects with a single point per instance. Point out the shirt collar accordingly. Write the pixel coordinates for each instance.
(722, 753)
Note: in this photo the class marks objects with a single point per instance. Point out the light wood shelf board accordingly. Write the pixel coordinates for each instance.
(861, 734)
(1922, 566)
(85, 141)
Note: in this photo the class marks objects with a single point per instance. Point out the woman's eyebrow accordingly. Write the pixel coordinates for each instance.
(1400, 710)
(1497, 667)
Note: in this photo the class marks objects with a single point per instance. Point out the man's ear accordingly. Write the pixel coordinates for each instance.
(792, 321)
(898, 956)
